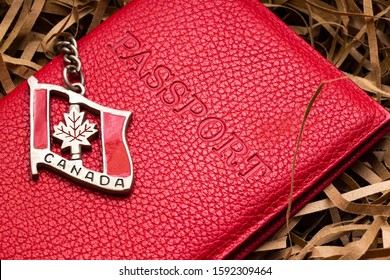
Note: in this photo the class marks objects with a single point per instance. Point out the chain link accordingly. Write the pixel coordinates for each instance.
(72, 70)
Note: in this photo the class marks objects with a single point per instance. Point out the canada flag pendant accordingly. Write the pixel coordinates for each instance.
(75, 133)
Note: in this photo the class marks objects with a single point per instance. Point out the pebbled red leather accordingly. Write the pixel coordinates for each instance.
(218, 91)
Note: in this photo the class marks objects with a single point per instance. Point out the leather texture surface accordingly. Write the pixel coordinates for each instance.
(218, 91)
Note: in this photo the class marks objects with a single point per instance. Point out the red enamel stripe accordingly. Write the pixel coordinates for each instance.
(116, 155)
(40, 119)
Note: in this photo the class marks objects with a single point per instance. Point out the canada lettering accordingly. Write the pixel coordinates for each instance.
(75, 170)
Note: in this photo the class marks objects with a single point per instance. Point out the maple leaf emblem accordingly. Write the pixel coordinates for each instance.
(76, 131)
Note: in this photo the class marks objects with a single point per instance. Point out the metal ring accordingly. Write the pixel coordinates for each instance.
(75, 74)
(79, 88)
(70, 49)
(72, 41)
(73, 60)
(59, 45)
(65, 74)
(66, 58)
(71, 68)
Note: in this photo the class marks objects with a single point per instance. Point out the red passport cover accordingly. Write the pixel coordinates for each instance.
(217, 91)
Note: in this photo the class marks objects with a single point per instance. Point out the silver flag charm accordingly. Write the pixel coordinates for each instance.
(75, 132)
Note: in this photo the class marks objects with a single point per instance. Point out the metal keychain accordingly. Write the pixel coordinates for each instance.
(73, 65)
(75, 131)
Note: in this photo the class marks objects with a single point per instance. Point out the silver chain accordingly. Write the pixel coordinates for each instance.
(72, 70)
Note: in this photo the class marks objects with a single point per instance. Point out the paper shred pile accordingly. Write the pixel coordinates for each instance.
(350, 219)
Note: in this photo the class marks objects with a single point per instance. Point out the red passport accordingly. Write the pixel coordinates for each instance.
(217, 92)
